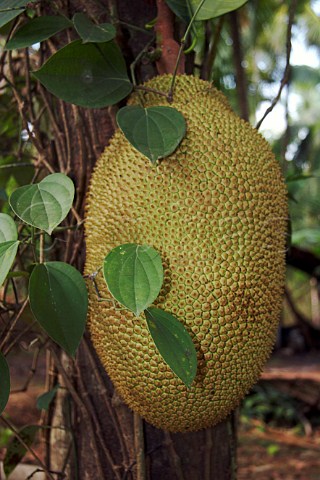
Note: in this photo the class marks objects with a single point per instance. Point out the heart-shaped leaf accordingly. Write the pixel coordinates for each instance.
(210, 8)
(4, 383)
(134, 275)
(154, 131)
(44, 400)
(90, 32)
(174, 343)
(8, 229)
(90, 75)
(16, 450)
(45, 204)
(10, 9)
(59, 302)
(8, 252)
(37, 30)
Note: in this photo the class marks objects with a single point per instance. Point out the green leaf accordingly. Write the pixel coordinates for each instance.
(8, 252)
(44, 400)
(4, 383)
(90, 75)
(59, 302)
(174, 343)
(16, 451)
(90, 32)
(10, 9)
(210, 8)
(37, 30)
(45, 204)
(8, 229)
(134, 275)
(154, 131)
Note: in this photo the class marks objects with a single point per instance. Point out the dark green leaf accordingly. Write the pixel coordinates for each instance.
(154, 131)
(8, 252)
(9, 9)
(134, 275)
(4, 383)
(90, 32)
(59, 302)
(174, 343)
(90, 75)
(8, 229)
(210, 8)
(44, 400)
(37, 30)
(45, 204)
(16, 451)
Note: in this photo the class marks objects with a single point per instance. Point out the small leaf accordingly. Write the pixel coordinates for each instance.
(90, 75)
(8, 252)
(44, 400)
(37, 30)
(59, 302)
(90, 32)
(134, 275)
(45, 204)
(4, 383)
(210, 8)
(16, 451)
(10, 9)
(8, 229)
(174, 343)
(154, 131)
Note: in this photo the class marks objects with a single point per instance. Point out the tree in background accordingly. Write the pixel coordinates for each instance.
(91, 432)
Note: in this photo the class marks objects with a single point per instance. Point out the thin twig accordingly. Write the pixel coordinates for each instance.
(139, 446)
(12, 326)
(8, 423)
(286, 73)
(86, 415)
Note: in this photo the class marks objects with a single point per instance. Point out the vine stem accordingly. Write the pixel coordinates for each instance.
(139, 447)
(26, 446)
(41, 247)
(182, 44)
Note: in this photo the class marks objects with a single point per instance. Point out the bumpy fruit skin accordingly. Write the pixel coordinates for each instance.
(216, 210)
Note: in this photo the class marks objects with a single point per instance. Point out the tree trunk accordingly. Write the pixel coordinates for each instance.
(96, 435)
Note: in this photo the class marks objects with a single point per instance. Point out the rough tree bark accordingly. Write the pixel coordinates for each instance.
(100, 438)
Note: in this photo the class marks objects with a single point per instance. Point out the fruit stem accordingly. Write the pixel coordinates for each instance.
(182, 44)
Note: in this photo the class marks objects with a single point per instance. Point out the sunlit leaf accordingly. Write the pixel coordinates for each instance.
(91, 75)
(9, 9)
(174, 343)
(210, 8)
(154, 131)
(90, 32)
(8, 252)
(4, 383)
(45, 204)
(59, 302)
(37, 30)
(8, 228)
(44, 400)
(134, 275)
(16, 450)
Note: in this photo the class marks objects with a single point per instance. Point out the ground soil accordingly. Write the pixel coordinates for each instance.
(264, 453)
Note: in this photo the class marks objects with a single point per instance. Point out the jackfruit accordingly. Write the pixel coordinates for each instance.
(216, 211)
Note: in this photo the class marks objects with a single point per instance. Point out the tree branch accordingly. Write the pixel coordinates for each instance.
(286, 73)
(305, 261)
